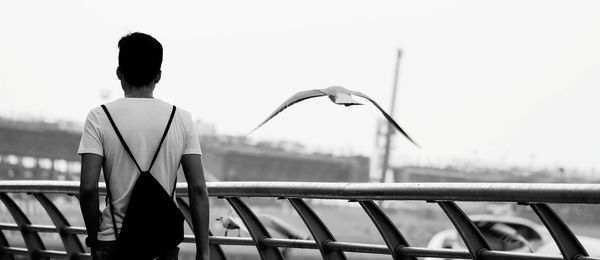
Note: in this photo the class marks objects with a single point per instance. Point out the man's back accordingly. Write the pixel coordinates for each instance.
(141, 122)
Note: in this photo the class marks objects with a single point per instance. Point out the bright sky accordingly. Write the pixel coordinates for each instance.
(507, 82)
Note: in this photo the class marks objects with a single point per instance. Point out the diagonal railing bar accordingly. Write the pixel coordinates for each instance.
(389, 232)
(216, 252)
(567, 242)
(470, 234)
(33, 242)
(317, 229)
(185, 211)
(4, 244)
(70, 241)
(257, 230)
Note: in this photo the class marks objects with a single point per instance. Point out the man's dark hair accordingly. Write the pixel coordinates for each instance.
(140, 58)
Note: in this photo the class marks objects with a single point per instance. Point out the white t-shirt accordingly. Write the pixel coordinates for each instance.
(141, 122)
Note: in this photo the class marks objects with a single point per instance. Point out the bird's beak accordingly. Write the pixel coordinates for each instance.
(344, 99)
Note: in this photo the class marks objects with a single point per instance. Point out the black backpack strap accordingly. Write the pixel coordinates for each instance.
(174, 185)
(163, 138)
(106, 180)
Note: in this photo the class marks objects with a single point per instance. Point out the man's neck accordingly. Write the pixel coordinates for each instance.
(139, 92)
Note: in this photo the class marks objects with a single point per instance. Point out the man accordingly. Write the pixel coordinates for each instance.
(141, 120)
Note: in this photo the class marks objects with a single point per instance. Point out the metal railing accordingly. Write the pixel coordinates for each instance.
(536, 196)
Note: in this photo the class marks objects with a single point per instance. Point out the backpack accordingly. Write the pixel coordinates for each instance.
(153, 223)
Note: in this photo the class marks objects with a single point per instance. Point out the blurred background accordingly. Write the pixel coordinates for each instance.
(492, 91)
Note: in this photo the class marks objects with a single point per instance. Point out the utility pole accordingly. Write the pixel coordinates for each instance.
(390, 130)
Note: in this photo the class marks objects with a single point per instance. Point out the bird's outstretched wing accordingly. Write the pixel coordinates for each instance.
(293, 100)
(386, 115)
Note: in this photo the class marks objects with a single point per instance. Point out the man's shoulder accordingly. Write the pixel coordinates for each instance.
(184, 113)
(94, 113)
(97, 109)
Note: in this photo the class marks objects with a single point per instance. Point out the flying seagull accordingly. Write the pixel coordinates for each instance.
(337, 95)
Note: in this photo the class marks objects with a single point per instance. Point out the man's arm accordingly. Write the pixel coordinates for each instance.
(199, 207)
(88, 192)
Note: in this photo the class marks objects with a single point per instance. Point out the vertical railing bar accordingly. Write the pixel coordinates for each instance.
(216, 252)
(567, 242)
(389, 232)
(4, 243)
(33, 242)
(256, 229)
(317, 228)
(470, 234)
(70, 241)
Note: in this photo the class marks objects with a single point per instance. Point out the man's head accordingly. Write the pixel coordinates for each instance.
(140, 58)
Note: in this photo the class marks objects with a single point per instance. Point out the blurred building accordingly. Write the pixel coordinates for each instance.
(38, 150)
(245, 162)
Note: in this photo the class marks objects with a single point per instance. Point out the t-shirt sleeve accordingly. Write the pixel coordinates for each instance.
(91, 140)
(192, 143)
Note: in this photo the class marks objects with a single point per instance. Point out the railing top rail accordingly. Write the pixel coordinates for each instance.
(501, 192)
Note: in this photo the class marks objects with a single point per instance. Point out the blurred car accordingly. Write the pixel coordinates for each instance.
(510, 233)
